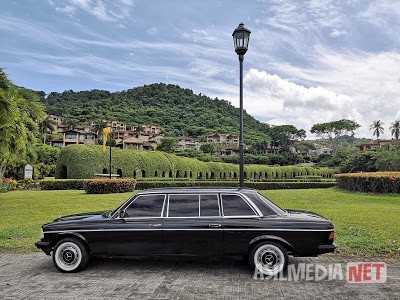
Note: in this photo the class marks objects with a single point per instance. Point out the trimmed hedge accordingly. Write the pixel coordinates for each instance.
(142, 185)
(64, 184)
(84, 161)
(375, 182)
(110, 186)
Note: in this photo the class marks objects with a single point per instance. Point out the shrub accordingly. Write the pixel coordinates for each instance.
(107, 186)
(142, 185)
(64, 184)
(7, 184)
(28, 184)
(376, 182)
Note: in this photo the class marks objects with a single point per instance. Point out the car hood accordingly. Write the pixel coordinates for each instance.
(83, 216)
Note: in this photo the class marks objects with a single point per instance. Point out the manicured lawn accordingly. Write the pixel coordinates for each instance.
(366, 224)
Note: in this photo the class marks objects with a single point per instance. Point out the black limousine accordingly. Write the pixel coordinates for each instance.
(188, 223)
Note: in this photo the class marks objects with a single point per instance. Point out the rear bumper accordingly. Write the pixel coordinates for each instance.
(44, 246)
(326, 248)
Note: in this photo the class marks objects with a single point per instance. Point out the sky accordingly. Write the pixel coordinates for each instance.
(308, 62)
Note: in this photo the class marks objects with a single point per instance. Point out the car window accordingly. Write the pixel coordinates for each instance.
(145, 206)
(265, 206)
(234, 205)
(209, 206)
(183, 206)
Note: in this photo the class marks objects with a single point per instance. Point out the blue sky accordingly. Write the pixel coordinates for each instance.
(308, 61)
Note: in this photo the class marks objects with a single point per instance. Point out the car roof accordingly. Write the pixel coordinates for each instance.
(197, 190)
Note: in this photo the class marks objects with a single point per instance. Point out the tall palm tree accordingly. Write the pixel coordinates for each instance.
(395, 128)
(377, 127)
(45, 125)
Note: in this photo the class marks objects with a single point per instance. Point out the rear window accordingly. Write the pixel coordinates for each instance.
(264, 205)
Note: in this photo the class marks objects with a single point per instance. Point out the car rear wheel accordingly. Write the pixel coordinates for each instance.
(269, 258)
(70, 255)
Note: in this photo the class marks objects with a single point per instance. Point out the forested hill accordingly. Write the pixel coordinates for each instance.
(179, 110)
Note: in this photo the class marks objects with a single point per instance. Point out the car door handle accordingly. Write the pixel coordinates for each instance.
(155, 225)
(214, 225)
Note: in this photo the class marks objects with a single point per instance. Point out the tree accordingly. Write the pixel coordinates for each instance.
(395, 128)
(332, 131)
(71, 123)
(45, 125)
(304, 145)
(17, 135)
(286, 135)
(377, 127)
(98, 126)
(168, 144)
(208, 148)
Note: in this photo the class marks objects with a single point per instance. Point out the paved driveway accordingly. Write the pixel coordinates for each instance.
(33, 276)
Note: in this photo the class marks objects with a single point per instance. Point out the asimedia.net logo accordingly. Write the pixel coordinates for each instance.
(366, 272)
(354, 272)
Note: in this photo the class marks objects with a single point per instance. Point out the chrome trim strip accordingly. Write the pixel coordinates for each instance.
(193, 229)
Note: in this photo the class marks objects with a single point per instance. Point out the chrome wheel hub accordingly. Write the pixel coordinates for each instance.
(68, 256)
(269, 259)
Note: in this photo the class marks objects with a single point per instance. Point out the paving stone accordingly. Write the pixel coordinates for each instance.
(33, 276)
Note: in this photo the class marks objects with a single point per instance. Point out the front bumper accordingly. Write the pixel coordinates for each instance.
(326, 248)
(44, 246)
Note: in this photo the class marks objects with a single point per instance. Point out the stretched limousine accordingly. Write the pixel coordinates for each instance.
(188, 223)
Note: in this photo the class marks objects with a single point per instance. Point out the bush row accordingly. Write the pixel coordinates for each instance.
(65, 184)
(142, 185)
(107, 186)
(376, 182)
(84, 161)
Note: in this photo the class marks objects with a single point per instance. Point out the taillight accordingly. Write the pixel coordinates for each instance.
(332, 235)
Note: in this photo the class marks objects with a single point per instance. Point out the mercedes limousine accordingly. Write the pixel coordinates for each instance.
(189, 223)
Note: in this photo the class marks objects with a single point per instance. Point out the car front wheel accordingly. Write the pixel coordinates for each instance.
(70, 255)
(269, 258)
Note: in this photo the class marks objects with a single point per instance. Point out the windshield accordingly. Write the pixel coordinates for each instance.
(115, 210)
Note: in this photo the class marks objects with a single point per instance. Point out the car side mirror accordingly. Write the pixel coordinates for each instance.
(121, 214)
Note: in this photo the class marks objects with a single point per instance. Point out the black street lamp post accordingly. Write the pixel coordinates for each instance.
(241, 37)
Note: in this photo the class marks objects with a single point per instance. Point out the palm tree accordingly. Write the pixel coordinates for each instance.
(71, 123)
(395, 128)
(377, 127)
(45, 125)
(99, 125)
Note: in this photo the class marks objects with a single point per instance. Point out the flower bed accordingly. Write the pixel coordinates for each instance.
(375, 182)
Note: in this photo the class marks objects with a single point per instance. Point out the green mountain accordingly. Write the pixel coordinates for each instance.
(179, 110)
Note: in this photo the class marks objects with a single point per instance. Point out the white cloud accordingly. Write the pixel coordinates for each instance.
(336, 33)
(284, 102)
(152, 31)
(108, 11)
(68, 9)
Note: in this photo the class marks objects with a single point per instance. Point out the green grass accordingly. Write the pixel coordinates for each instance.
(23, 212)
(366, 224)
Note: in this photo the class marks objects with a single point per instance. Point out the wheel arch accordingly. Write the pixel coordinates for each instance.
(76, 235)
(271, 238)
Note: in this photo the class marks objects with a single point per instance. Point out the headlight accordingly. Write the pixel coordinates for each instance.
(41, 233)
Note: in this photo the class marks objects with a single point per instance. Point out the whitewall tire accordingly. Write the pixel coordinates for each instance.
(70, 255)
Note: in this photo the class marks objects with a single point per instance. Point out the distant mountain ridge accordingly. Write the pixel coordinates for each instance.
(179, 110)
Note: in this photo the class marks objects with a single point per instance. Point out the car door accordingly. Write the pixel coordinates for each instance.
(193, 225)
(241, 224)
(137, 231)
